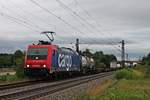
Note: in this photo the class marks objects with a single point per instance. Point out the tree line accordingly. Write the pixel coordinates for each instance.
(10, 60)
(101, 59)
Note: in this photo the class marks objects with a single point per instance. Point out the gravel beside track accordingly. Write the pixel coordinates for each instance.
(73, 92)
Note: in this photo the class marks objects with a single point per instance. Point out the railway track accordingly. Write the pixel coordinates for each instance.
(19, 84)
(49, 88)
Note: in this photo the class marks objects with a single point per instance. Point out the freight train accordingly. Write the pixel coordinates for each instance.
(46, 59)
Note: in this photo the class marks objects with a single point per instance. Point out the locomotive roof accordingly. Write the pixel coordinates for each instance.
(68, 49)
(41, 46)
(46, 46)
(52, 46)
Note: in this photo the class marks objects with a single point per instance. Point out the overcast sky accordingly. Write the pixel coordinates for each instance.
(100, 23)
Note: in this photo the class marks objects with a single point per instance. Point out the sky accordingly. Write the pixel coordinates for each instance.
(100, 25)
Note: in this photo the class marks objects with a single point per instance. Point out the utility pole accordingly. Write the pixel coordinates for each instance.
(123, 53)
(127, 57)
(77, 45)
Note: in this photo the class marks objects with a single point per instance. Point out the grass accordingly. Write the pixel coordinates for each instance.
(127, 90)
(129, 74)
(6, 79)
(19, 76)
(132, 84)
(100, 88)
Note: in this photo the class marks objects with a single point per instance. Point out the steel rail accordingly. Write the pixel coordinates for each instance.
(19, 84)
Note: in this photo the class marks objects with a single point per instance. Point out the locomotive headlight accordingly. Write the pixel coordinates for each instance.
(44, 66)
(28, 66)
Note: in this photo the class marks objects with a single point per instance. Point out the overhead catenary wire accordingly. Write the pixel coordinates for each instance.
(80, 21)
(91, 17)
(22, 18)
(47, 10)
(58, 17)
(18, 21)
(30, 13)
(74, 16)
(27, 24)
(50, 12)
(92, 26)
(75, 13)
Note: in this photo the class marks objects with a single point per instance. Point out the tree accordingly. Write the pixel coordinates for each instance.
(87, 53)
(102, 59)
(9, 60)
(6, 60)
(17, 55)
(19, 68)
(19, 62)
(146, 60)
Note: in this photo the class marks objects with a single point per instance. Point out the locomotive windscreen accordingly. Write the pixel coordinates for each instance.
(37, 53)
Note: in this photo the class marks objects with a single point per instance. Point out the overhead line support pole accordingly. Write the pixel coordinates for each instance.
(77, 45)
(123, 53)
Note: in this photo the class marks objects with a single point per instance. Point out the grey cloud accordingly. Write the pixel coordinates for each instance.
(123, 18)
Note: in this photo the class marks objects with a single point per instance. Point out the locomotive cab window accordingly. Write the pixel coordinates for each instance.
(37, 53)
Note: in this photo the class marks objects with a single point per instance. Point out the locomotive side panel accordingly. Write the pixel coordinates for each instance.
(65, 60)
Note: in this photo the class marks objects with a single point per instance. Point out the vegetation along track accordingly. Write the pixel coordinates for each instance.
(49, 88)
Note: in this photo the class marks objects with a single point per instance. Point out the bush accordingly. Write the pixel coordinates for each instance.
(8, 77)
(19, 68)
(129, 74)
(12, 78)
(124, 74)
(3, 78)
(145, 69)
(147, 74)
(100, 65)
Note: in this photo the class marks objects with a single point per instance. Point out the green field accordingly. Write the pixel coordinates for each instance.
(132, 84)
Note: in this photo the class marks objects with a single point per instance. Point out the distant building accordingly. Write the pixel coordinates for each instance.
(113, 64)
